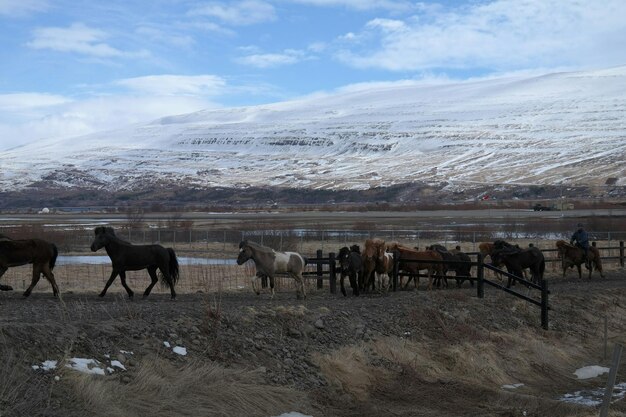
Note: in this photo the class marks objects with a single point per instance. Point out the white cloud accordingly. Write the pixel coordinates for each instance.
(78, 38)
(501, 35)
(270, 60)
(19, 8)
(245, 12)
(393, 5)
(29, 101)
(79, 117)
(165, 36)
(198, 85)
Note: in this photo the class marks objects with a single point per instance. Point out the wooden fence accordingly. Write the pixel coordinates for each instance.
(541, 299)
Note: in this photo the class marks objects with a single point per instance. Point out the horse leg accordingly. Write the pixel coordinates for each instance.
(153, 278)
(34, 281)
(130, 292)
(4, 269)
(301, 291)
(580, 271)
(109, 282)
(343, 289)
(253, 282)
(50, 277)
(272, 287)
(354, 282)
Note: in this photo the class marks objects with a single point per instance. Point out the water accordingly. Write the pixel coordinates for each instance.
(103, 260)
(594, 397)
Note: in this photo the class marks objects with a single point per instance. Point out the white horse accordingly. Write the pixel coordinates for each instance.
(270, 263)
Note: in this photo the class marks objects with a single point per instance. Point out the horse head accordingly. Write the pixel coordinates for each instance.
(245, 252)
(344, 258)
(103, 234)
(355, 249)
(380, 250)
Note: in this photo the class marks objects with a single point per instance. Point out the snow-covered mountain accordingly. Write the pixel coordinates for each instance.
(564, 128)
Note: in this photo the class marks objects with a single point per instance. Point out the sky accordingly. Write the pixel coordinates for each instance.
(72, 67)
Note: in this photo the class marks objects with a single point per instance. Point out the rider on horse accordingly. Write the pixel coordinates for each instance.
(581, 238)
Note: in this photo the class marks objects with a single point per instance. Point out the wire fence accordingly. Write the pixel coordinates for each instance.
(208, 256)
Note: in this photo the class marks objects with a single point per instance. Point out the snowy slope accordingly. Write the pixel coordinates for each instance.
(565, 128)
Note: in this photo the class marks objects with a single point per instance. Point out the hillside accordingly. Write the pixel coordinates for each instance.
(428, 353)
(560, 129)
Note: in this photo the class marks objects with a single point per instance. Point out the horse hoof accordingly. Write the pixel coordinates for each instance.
(26, 294)
(101, 295)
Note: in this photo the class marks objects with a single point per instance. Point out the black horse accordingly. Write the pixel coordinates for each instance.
(351, 265)
(516, 260)
(128, 257)
(453, 259)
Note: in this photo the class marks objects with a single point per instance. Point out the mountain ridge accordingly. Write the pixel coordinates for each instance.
(562, 129)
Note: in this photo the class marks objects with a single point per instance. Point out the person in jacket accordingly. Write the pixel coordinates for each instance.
(581, 239)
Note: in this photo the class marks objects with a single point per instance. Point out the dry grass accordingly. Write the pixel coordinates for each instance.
(348, 369)
(160, 388)
(22, 392)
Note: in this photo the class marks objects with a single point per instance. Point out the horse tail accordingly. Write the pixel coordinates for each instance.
(305, 259)
(55, 254)
(597, 261)
(172, 268)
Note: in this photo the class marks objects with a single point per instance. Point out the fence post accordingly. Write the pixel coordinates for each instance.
(396, 270)
(333, 275)
(480, 274)
(544, 303)
(621, 253)
(608, 393)
(320, 282)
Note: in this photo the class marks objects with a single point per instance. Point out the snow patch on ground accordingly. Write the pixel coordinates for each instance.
(85, 365)
(46, 365)
(512, 386)
(179, 350)
(587, 372)
(594, 397)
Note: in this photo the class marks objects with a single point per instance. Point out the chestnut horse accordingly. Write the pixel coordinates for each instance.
(574, 256)
(38, 252)
(384, 267)
(370, 262)
(420, 260)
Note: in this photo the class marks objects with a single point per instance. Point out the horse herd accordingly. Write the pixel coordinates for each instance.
(367, 270)
(372, 268)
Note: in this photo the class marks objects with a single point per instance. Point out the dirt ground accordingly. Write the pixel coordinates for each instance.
(410, 353)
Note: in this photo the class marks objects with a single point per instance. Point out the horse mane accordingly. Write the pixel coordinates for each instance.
(108, 230)
(371, 245)
(255, 246)
(563, 244)
(392, 246)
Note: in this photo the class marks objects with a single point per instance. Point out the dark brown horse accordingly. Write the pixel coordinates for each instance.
(516, 260)
(128, 257)
(454, 259)
(351, 266)
(574, 256)
(41, 254)
(418, 261)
